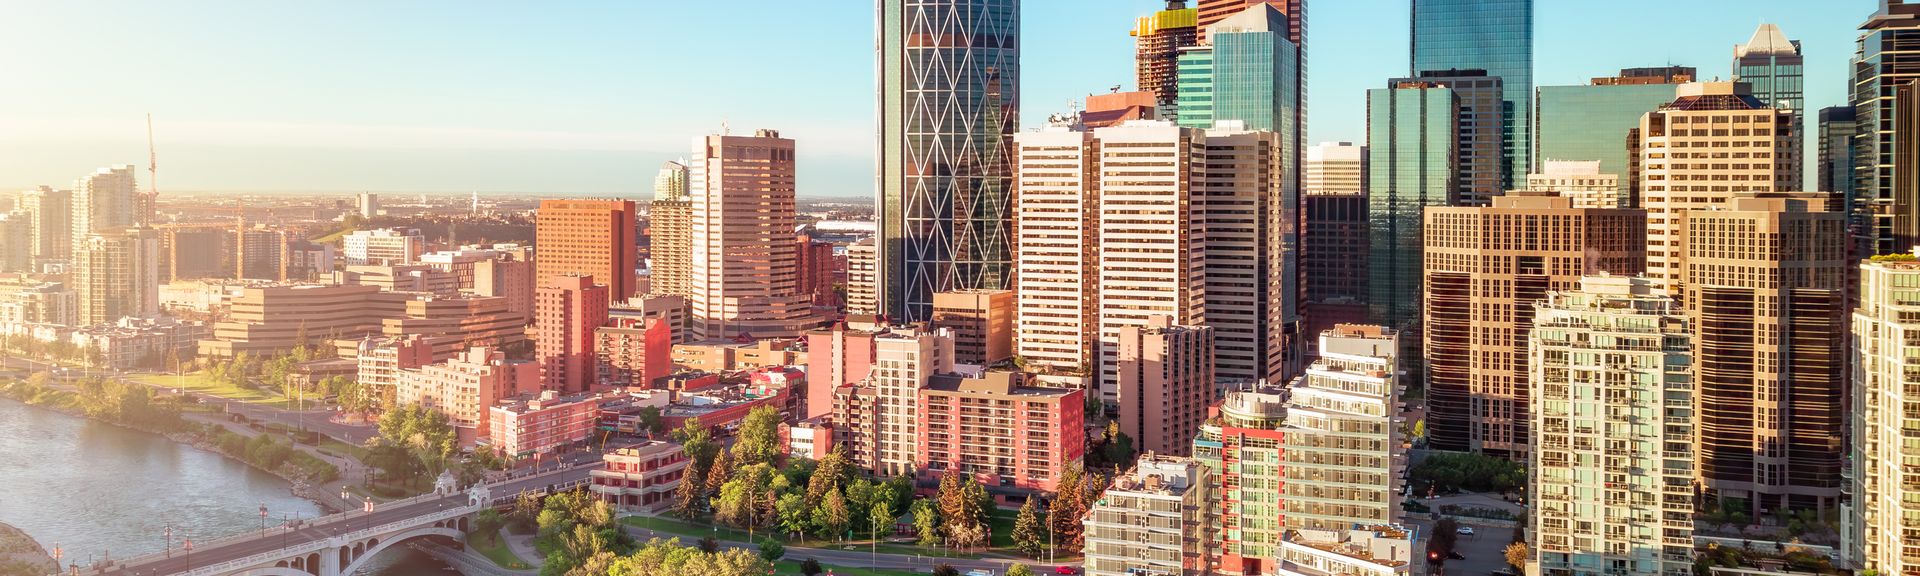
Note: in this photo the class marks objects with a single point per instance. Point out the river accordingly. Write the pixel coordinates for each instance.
(96, 489)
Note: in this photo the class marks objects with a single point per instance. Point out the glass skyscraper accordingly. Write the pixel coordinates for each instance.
(1888, 55)
(1246, 74)
(949, 102)
(1591, 123)
(1491, 35)
(1773, 66)
(1412, 145)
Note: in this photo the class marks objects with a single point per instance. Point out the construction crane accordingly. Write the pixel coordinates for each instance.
(150, 204)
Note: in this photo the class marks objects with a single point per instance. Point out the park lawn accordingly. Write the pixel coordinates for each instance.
(203, 384)
(495, 548)
(333, 446)
(1000, 526)
(792, 566)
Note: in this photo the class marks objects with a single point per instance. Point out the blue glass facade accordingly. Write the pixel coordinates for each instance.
(1591, 122)
(1491, 35)
(949, 103)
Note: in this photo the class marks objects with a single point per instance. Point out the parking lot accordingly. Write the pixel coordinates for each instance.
(1485, 550)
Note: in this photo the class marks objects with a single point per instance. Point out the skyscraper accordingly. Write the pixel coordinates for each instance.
(587, 238)
(948, 110)
(1885, 485)
(1906, 164)
(1149, 262)
(1678, 167)
(1773, 66)
(16, 242)
(104, 201)
(1888, 55)
(1491, 35)
(1158, 39)
(746, 274)
(567, 311)
(1835, 175)
(117, 274)
(1485, 268)
(1612, 452)
(1412, 147)
(49, 216)
(1333, 237)
(1591, 122)
(1766, 292)
(1056, 326)
(863, 270)
(1482, 152)
(670, 233)
(368, 204)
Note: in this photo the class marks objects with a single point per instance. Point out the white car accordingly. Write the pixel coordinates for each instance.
(1464, 531)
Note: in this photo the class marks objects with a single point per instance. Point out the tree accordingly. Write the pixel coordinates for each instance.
(686, 496)
(945, 570)
(831, 519)
(709, 545)
(719, 473)
(1440, 546)
(1067, 509)
(759, 439)
(771, 550)
(1517, 555)
(811, 567)
(926, 523)
(828, 475)
(1119, 448)
(734, 505)
(1019, 570)
(792, 513)
(1028, 531)
(880, 520)
(651, 421)
(860, 498)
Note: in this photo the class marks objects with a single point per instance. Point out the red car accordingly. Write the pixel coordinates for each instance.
(1065, 570)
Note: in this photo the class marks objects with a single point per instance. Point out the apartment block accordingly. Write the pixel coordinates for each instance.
(567, 310)
(1055, 325)
(1362, 550)
(836, 357)
(525, 427)
(466, 386)
(995, 427)
(1158, 518)
(1343, 456)
(1885, 484)
(1165, 381)
(1611, 472)
(863, 269)
(982, 324)
(670, 233)
(116, 273)
(509, 279)
(636, 352)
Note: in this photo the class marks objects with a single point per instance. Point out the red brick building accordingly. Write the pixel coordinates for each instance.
(567, 311)
(595, 238)
(1002, 432)
(642, 476)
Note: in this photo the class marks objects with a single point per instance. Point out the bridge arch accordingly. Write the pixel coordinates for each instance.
(275, 571)
(375, 546)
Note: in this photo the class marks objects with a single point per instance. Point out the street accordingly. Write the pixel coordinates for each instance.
(1485, 550)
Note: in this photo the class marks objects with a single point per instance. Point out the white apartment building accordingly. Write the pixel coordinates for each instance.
(1343, 456)
(863, 269)
(1611, 467)
(386, 247)
(1158, 519)
(1054, 324)
(1883, 527)
(904, 360)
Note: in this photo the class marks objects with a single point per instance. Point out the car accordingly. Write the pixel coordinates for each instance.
(1065, 570)
(1455, 555)
(1464, 531)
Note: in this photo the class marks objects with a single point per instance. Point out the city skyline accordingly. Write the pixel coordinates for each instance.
(569, 101)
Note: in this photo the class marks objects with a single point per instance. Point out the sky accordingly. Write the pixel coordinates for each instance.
(579, 98)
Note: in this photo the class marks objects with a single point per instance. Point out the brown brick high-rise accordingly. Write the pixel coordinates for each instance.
(587, 238)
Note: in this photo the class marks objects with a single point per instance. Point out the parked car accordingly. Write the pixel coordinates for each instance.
(1065, 570)
(1465, 531)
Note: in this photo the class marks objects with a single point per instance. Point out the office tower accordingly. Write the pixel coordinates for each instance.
(1766, 292)
(1246, 71)
(670, 233)
(1333, 261)
(996, 425)
(1680, 149)
(637, 353)
(510, 279)
(1886, 56)
(117, 274)
(745, 271)
(1157, 40)
(587, 238)
(1164, 381)
(1611, 470)
(1481, 155)
(863, 277)
(1906, 164)
(1412, 144)
(947, 115)
(1591, 122)
(383, 247)
(16, 242)
(1773, 66)
(820, 272)
(1835, 175)
(1249, 212)
(1342, 456)
(1335, 168)
(904, 362)
(1158, 518)
(1211, 12)
(1056, 326)
(1491, 35)
(1485, 269)
(1148, 262)
(368, 203)
(982, 324)
(1885, 485)
(262, 253)
(1578, 180)
(104, 201)
(50, 218)
(567, 310)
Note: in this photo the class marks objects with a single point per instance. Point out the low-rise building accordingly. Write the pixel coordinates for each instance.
(465, 386)
(382, 359)
(634, 352)
(415, 278)
(152, 343)
(732, 355)
(266, 321)
(1157, 519)
(810, 439)
(640, 477)
(723, 408)
(998, 429)
(524, 427)
(1363, 550)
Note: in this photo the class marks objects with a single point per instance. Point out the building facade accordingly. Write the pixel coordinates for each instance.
(1580, 181)
(982, 324)
(1773, 66)
(1491, 35)
(383, 247)
(1158, 518)
(1164, 381)
(117, 274)
(588, 238)
(1611, 471)
(640, 477)
(1885, 485)
(567, 311)
(1335, 168)
(1157, 40)
(746, 273)
(1413, 148)
(1591, 122)
(1886, 56)
(466, 386)
(996, 428)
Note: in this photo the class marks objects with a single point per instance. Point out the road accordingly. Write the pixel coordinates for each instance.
(1485, 550)
(182, 561)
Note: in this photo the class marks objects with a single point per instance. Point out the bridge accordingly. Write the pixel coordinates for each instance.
(339, 544)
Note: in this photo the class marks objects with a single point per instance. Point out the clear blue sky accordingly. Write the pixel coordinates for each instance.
(578, 97)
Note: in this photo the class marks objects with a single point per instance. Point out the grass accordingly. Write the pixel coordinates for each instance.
(332, 446)
(203, 384)
(792, 566)
(691, 532)
(495, 548)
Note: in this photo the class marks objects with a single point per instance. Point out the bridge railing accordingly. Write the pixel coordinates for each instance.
(324, 544)
(209, 545)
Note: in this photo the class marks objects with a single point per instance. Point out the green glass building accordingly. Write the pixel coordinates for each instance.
(1591, 123)
(1491, 35)
(1412, 146)
(1245, 74)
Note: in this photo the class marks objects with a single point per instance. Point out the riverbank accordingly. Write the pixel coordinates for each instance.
(20, 555)
(307, 472)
